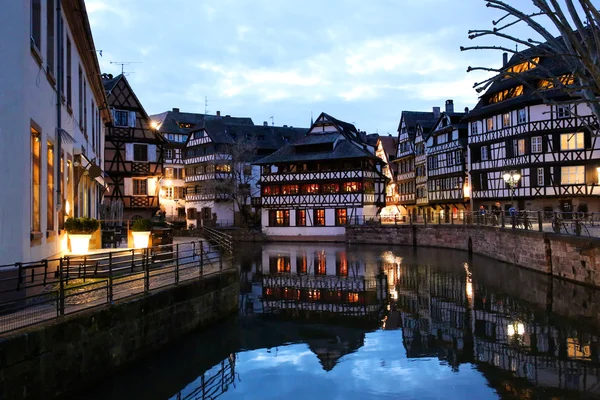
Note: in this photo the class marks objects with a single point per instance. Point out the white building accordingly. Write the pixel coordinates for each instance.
(52, 116)
(318, 184)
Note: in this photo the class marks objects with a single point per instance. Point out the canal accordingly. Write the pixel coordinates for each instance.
(331, 321)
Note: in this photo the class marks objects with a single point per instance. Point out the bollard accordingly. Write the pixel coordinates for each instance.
(540, 221)
(502, 221)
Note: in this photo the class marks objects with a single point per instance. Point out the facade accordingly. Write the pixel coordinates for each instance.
(133, 153)
(175, 126)
(315, 186)
(219, 177)
(554, 148)
(446, 151)
(406, 157)
(385, 149)
(52, 117)
(422, 130)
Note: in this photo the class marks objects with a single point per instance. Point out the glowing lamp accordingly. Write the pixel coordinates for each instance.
(141, 239)
(154, 125)
(598, 171)
(80, 244)
(68, 207)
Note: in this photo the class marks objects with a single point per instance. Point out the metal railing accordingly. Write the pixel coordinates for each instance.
(212, 383)
(219, 239)
(32, 293)
(566, 223)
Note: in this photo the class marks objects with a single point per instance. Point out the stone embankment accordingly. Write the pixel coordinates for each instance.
(567, 257)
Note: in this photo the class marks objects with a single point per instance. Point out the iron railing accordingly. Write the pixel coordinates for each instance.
(219, 239)
(566, 223)
(212, 383)
(31, 293)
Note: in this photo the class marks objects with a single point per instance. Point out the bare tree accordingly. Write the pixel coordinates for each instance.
(577, 48)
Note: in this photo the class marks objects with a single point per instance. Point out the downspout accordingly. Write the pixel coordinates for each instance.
(59, 85)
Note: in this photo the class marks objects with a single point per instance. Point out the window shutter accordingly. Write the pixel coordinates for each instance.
(476, 154)
(557, 176)
(128, 151)
(547, 177)
(556, 142)
(544, 143)
(590, 174)
(128, 189)
(510, 149)
(587, 140)
(132, 119)
(112, 113)
(152, 153)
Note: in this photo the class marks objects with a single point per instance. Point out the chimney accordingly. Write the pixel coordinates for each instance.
(504, 59)
(218, 113)
(466, 110)
(285, 126)
(175, 110)
(265, 123)
(436, 112)
(449, 106)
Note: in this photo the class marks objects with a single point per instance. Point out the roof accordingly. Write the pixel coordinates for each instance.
(110, 83)
(389, 144)
(344, 149)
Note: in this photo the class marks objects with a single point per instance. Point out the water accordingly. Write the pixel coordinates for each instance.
(436, 325)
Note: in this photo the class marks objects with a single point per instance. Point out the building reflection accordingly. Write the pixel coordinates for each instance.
(326, 280)
(445, 313)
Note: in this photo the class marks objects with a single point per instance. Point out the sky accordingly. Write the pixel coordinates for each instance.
(361, 61)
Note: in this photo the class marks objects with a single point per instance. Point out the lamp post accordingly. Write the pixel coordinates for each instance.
(512, 180)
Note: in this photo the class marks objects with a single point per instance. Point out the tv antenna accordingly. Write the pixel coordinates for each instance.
(124, 63)
(272, 121)
(205, 105)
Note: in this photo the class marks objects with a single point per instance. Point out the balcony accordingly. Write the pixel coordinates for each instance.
(406, 176)
(317, 175)
(421, 179)
(422, 200)
(406, 198)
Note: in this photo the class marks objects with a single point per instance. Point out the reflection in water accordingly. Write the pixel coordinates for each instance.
(331, 321)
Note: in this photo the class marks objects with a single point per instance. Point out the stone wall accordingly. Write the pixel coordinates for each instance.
(568, 257)
(81, 349)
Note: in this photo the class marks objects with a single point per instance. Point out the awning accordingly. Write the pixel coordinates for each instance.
(93, 170)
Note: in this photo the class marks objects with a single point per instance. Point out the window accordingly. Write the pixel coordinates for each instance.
(563, 111)
(36, 23)
(140, 187)
(331, 188)
(50, 36)
(565, 80)
(223, 168)
(341, 263)
(351, 187)
(506, 94)
(279, 218)
(168, 154)
(536, 144)
(168, 191)
(473, 128)
(506, 119)
(320, 263)
(519, 147)
(540, 176)
(572, 175)
(271, 190)
(311, 188)
(571, 141)
(484, 153)
(279, 264)
(522, 116)
(301, 264)
(169, 173)
(121, 118)
(524, 66)
(300, 217)
(319, 217)
(36, 178)
(50, 187)
(266, 170)
(341, 216)
(247, 170)
(490, 124)
(140, 152)
(69, 73)
(289, 189)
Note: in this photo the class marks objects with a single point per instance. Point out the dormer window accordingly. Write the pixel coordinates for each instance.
(124, 118)
(506, 94)
(523, 67)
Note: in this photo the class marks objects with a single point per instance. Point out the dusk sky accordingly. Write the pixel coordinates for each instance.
(360, 61)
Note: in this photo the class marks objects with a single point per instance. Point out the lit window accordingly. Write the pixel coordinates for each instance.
(523, 67)
(506, 94)
(289, 189)
(352, 297)
(571, 141)
(314, 294)
(50, 188)
(519, 147)
(506, 119)
(320, 263)
(301, 264)
(223, 168)
(490, 124)
(572, 175)
(320, 217)
(565, 80)
(341, 216)
(36, 178)
(351, 187)
(331, 188)
(279, 218)
(536, 144)
(169, 173)
(341, 264)
(311, 188)
(300, 217)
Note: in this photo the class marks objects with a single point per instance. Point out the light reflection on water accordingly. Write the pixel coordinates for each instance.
(320, 321)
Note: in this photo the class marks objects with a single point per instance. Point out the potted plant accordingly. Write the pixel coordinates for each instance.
(141, 230)
(80, 232)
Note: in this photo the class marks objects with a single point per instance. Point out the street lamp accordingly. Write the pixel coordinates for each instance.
(512, 179)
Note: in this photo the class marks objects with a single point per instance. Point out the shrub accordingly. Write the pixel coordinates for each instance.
(81, 225)
(142, 225)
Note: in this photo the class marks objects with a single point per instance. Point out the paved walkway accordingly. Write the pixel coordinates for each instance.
(80, 295)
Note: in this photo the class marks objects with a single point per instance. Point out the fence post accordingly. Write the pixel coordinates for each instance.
(201, 264)
(110, 278)
(68, 269)
(577, 224)
(133, 260)
(61, 289)
(177, 263)
(221, 260)
(45, 270)
(513, 219)
(439, 218)
(540, 221)
(410, 221)
(147, 270)
(425, 217)
(526, 221)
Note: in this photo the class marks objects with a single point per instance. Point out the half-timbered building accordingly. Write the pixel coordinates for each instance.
(385, 149)
(422, 130)
(405, 158)
(220, 179)
(314, 186)
(175, 127)
(446, 152)
(52, 117)
(133, 153)
(554, 148)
